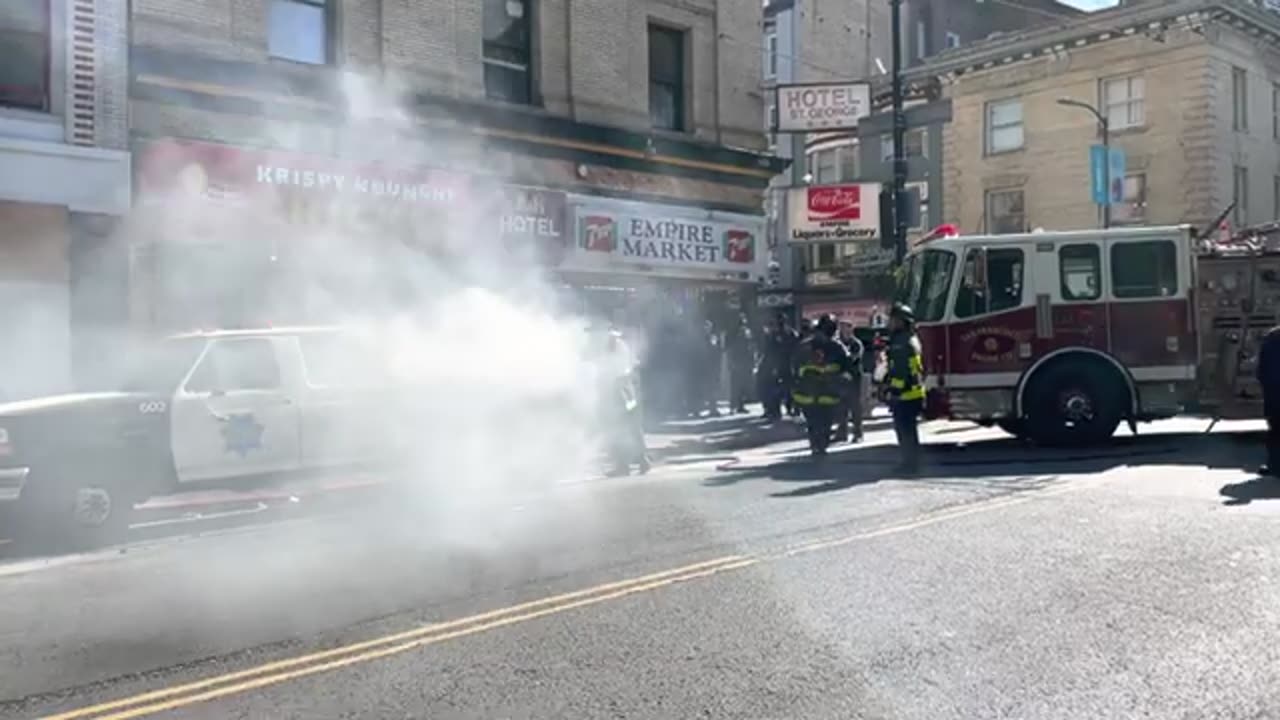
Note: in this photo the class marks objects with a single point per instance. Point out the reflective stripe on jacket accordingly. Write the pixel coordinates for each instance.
(905, 367)
(817, 385)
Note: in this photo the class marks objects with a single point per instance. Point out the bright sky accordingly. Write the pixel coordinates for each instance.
(1090, 4)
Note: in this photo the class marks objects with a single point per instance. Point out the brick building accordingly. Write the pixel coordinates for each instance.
(1190, 91)
(64, 181)
(616, 136)
(808, 41)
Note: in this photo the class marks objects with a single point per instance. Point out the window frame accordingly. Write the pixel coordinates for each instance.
(35, 99)
(770, 51)
(1240, 194)
(953, 40)
(990, 216)
(987, 253)
(329, 33)
(220, 384)
(1132, 104)
(680, 119)
(1239, 99)
(1135, 212)
(990, 128)
(1114, 263)
(886, 144)
(1275, 111)
(1065, 295)
(529, 50)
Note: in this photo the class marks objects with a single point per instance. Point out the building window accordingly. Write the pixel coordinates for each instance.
(1134, 207)
(1144, 269)
(916, 142)
(1240, 194)
(1275, 196)
(1239, 100)
(298, 30)
(1004, 126)
(771, 123)
(1123, 102)
(1080, 270)
(834, 164)
(1275, 112)
(953, 40)
(922, 40)
(666, 78)
(1006, 212)
(770, 51)
(508, 51)
(24, 45)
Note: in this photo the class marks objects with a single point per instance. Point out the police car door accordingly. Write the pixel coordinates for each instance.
(234, 415)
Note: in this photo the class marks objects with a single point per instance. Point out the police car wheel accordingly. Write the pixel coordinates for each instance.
(70, 516)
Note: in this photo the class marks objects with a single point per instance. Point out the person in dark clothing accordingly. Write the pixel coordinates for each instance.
(739, 348)
(905, 384)
(823, 372)
(1269, 376)
(778, 357)
(849, 414)
(710, 356)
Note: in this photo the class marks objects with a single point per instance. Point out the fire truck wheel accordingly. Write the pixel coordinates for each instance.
(1074, 403)
(1013, 426)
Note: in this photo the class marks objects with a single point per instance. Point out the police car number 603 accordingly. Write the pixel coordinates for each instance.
(152, 406)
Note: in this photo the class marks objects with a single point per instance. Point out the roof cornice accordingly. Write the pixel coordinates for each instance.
(1094, 28)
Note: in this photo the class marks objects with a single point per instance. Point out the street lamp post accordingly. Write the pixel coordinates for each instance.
(899, 137)
(1106, 151)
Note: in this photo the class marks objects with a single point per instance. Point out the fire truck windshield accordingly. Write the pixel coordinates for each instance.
(926, 280)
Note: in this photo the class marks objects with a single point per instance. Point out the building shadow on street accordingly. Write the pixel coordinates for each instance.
(1007, 463)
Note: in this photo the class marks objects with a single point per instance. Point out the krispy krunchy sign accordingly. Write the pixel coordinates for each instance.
(834, 213)
(659, 240)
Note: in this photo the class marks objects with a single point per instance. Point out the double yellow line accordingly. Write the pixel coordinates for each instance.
(285, 670)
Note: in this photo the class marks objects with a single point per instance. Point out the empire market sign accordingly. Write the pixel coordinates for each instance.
(661, 240)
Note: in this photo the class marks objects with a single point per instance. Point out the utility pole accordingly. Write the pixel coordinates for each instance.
(899, 139)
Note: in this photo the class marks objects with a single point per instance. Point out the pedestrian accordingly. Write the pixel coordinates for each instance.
(851, 410)
(739, 348)
(620, 399)
(821, 377)
(1268, 372)
(905, 385)
(776, 371)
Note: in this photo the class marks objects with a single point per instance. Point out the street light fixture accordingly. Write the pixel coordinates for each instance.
(1106, 149)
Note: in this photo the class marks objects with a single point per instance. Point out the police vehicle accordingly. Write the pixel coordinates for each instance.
(207, 409)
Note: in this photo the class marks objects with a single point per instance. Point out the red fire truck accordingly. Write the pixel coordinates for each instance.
(1061, 336)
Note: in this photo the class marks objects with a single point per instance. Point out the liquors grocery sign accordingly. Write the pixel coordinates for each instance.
(834, 213)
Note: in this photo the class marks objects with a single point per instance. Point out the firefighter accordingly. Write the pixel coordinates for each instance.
(1269, 376)
(824, 372)
(905, 384)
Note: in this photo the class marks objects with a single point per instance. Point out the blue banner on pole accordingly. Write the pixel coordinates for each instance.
(1106, 174)
(1098, 174)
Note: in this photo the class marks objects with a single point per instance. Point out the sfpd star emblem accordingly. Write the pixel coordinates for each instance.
(242, 434)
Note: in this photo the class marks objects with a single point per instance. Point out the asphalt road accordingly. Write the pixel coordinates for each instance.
(1140, 581)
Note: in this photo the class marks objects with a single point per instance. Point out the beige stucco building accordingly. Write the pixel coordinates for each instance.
(1191, 92)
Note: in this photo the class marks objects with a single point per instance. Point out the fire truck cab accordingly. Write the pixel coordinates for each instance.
(1059, 336)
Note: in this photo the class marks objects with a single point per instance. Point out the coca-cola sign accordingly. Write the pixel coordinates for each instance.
(834, 213)
(836, 202)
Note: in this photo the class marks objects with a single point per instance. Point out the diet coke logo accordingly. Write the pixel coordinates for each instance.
(838, 202)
